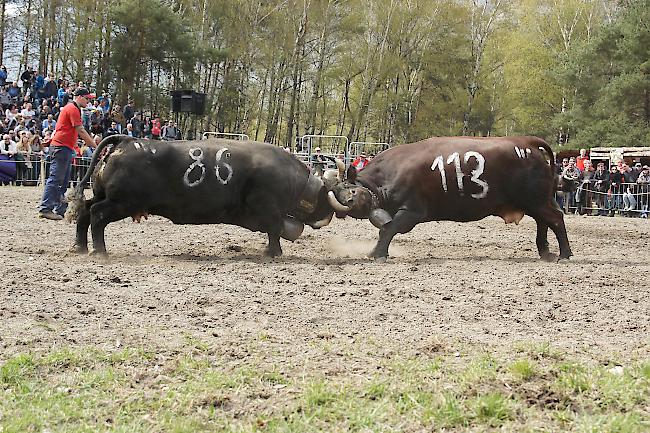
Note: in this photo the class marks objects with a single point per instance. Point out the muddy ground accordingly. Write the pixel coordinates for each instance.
(447, 286)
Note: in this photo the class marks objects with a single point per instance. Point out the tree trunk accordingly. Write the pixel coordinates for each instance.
(28, 26)
(3, 8)
(298, 53)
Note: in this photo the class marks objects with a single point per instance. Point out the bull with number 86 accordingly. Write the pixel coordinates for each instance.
(253, 185)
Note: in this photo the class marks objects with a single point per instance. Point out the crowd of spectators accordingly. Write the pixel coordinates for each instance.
(620, 187)
(30, 108)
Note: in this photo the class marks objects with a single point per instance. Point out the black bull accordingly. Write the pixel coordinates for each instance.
(456, 179)
(253, 185)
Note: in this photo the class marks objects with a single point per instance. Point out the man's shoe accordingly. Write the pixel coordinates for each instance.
(48, 214)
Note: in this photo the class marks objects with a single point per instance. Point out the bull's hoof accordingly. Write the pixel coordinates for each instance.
(79, 249)
(272, 253)
(374, 254)
(549, 257)
(100, 253)
(381, 259)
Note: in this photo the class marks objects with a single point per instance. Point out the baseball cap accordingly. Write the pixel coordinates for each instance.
(82, 91)
(317, 149)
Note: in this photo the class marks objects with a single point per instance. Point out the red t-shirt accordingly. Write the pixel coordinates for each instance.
(65, 133)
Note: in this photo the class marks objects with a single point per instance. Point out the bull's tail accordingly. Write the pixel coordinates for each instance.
(76, 197)
(543, 145)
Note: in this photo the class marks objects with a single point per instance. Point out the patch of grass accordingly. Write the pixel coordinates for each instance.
(573, 379)
(16, 370)
(619, 423)
(479, 371)
(492, 409)
(375, 390)
(522, 369)
(448, 412)
(136, 390)
(538, 350)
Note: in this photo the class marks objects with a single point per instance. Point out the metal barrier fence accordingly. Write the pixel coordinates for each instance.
(35, 169)
(630, 199)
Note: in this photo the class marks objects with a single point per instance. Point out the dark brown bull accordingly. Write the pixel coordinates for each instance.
(455, 179)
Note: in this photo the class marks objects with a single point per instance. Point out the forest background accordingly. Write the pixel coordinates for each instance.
(575, 72)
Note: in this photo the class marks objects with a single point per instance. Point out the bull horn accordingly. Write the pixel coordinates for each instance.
(291, 229)
(322, 223)
(379, 218)
(341, 166)
(336, 204)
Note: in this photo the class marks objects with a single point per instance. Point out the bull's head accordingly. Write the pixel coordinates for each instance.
(351, 198)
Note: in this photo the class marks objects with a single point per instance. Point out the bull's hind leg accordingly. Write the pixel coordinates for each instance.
(551, 216)
(101, 214)
(83, 222)
(403, 222)
(542, 241)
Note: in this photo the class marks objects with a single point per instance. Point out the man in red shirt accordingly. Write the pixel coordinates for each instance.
(62, 151)
(580, 161)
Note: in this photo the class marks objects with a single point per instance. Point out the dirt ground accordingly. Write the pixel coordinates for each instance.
(467, 285)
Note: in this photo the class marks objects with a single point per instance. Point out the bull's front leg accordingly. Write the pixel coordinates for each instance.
(403, 222)
(274, 249)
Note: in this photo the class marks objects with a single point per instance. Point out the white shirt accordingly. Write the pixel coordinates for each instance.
(28, 113)
(6, 149)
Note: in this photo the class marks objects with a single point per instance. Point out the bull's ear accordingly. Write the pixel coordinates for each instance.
(351, 174)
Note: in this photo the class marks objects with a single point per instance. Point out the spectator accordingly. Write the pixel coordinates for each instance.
(570, 180)
(5, 99)
(56, 109)
(614, 194)
(7, 152)
(105, 103)
(61, 94)
(39, 88)
(635, 172)
(155, 128)
(112, 130)
(644, 176)
(3, 75)
(318, 161)
(14, 92)
(129, 110)
(561, 168)
(97, 129)
(28, 112)
(8, 146)
(50, 87)
(586, 179)
(10, 116)
(49, 123)
(118, 117)
(87, 151)
(136, 123)
(170, 131)
(27, 77)
(360, 162)
(601, 185)
(629, 201)
(21, 126)
(22, 158)
(129, 130)
(580, 160)
(146, 127)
